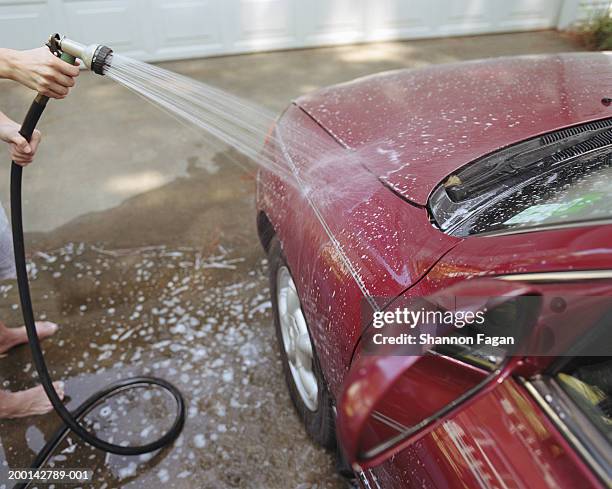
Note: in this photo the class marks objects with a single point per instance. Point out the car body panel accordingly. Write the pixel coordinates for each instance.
(578, 248)
(389, 243)
(415, 127)
(571, 249)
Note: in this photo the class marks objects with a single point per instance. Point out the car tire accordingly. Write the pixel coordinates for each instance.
(316, 411)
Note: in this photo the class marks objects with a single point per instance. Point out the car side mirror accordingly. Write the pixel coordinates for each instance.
(393, 395)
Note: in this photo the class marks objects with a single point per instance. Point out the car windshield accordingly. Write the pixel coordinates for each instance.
(576, 192)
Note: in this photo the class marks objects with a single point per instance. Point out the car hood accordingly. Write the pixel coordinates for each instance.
(412, 128)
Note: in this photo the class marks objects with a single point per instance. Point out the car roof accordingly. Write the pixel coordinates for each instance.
(413, 128)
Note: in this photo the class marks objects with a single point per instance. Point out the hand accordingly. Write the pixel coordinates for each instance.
(39, 70)
(21, 151)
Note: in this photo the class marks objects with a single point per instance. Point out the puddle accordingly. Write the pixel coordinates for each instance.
(199, 320)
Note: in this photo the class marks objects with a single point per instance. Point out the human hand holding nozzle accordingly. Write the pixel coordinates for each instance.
(39, 70)
(51, 71)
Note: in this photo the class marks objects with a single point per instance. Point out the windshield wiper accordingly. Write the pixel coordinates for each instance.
(528, 159)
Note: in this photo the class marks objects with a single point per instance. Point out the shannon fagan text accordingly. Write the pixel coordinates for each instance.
(430, 340)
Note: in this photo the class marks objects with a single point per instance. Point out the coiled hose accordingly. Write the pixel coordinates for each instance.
(72, 419)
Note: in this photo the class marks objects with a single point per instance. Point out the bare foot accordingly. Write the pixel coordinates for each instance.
(30, 402)
(11, 337)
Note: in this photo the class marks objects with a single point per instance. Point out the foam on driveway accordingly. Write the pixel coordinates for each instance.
(201, 321)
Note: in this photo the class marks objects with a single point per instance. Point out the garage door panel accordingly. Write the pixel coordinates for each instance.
(527, 14)
(112, 22)
(189, 27)
(392, 19)
(265, 24)
(24, 24)
(475, 16)
(334, 22)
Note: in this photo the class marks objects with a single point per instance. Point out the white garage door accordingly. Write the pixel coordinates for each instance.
(165, 29)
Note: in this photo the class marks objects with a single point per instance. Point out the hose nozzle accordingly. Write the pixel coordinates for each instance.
(95, 56)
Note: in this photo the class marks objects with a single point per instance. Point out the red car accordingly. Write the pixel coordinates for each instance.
(481, 178)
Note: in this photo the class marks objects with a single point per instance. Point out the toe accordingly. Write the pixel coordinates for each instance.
(45, 328)
(59, 388)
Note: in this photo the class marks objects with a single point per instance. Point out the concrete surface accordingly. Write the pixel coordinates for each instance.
(144, 249)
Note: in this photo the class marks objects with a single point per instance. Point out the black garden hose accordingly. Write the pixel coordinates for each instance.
(72, 419)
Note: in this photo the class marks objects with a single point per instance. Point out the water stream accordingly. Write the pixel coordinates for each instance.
(244, 126)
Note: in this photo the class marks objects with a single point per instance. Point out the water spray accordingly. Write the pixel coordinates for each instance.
(97, 58)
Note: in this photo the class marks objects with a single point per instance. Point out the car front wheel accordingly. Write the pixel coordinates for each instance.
(303, 375)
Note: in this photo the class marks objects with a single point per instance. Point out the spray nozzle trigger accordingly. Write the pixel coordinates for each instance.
(53, 45)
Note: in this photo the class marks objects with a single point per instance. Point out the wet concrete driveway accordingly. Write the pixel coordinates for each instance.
(198, 316)
(143, 248)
